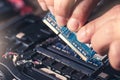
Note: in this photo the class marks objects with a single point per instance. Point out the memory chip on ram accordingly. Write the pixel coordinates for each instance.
(84, 51)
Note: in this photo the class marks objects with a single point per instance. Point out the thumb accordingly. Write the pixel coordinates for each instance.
(86, 32)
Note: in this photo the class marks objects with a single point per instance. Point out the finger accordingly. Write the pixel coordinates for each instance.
(81, 13)
(43, 5)
(50, 5)
(87, 31)
(114, 54)
(101, 39)
(62, 10)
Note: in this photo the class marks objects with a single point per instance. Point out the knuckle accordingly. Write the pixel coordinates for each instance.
(78, 16)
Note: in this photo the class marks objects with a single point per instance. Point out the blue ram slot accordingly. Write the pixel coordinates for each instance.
(85, 52)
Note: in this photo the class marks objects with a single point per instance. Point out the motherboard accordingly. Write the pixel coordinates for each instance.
(31, 50)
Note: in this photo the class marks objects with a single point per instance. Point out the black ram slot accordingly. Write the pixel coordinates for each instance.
(70, 63)
(60, 68)
(68, 56)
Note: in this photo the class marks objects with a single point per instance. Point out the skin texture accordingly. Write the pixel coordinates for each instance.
(103, 33)
(74, 13)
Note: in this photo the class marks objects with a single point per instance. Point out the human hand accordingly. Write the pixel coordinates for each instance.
(74, 13)
(104, 35)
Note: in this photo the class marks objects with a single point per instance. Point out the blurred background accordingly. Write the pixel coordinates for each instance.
(12, 8)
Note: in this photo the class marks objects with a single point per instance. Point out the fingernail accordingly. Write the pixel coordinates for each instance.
(82, 35)
(51, 9)
(43, 6)
(73, 24)
(61, 21)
